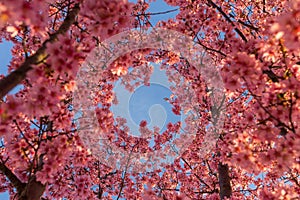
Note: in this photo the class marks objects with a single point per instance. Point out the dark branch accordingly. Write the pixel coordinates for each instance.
(224, 181)
(12, 178)
(239, 32)
(157, 13)
(15, 78)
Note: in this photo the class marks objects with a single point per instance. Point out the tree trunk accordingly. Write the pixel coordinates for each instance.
(224, 181)
(33, 190)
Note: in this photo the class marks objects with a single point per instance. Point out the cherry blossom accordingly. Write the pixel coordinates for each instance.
(255, 46)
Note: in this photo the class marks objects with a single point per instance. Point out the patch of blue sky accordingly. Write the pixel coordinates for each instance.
(160, 11)
(147, 103)
(160, 6)
(5, 58)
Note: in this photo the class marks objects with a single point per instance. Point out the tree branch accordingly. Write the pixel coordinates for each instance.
(15, 77)
(157, 13)
(12, 178)
(239, 32)
(224, 181)
(248, 25)
(198, 177)
(33, 190)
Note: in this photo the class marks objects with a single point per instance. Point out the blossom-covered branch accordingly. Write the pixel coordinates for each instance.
(15, 77)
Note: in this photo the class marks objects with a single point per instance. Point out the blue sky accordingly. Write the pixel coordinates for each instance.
(161, 6)
(147, 102)
(5, 57)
